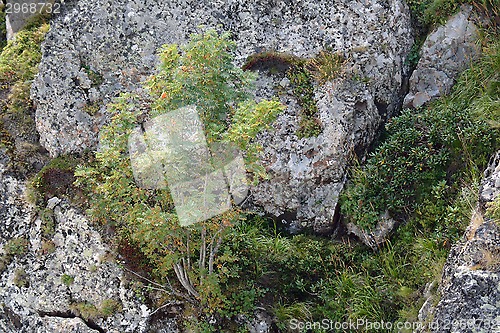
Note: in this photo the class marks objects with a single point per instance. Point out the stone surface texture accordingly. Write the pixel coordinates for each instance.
(468, 297)
(446, 52)
(118, 39)
(44, 303)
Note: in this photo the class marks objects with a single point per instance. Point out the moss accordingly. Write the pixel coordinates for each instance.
(302, 73)
(67, 279)
(109, 307)
(86, 310)
(3, 27)
(427, 14)
(5, 261)
(20, 278)
(56, 178)
(326, 66)
(303, 90)
(48, 247)
(16, 246)
(89, 311)
(48, 222)
(96, 78)
(271, 60)
(19, 61)
(92, 108)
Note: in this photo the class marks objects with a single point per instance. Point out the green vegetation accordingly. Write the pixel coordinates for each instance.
(424, 172)
(109, 307)
(18, 66)
(48, 222)
(56, 178)
(85, 310)
(200, 73)
(20, 279)
(303, 89)
(96, 79)
(67, 279)
(430, 153)
(428, 13)
(3, 27)
(89, 311)
(325, 67)
(15, 247)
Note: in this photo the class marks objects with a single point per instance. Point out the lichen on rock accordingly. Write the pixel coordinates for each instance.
(118, 40)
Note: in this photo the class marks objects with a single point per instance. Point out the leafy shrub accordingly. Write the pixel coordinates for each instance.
(446, 141)
(200, 73)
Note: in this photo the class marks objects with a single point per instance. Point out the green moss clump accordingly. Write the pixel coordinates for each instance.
(16, 246)
(302, 73)
(303, 89)
(48, 222)
(20, 278)
(86, 310)
(56, 179)
(89, 311)
(96, 79)
(67, 279)
(109, 307)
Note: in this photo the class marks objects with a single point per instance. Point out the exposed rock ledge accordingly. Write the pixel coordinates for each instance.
(469, 293)
(42, 303)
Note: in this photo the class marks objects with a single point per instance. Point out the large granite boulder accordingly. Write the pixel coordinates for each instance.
(97, 49)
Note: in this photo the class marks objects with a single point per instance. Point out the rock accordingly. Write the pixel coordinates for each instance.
(38, 300)
(490, 186)
(469, 292)
(63, 325)
(116, 41)
(445, 54)
(53, 202)
(376, 237)
(259, 322)
(15, 212)
(16, 18)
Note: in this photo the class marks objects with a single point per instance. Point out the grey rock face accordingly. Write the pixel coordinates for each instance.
(42, 302)
(118, 40)
(490, 187)
(376, 237)
(15, 212)
(17, 17)
(445, 53)
(470, 288)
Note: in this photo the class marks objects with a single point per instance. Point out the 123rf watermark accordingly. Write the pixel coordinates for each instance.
(328, 325)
